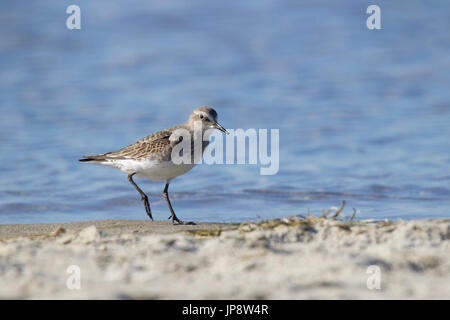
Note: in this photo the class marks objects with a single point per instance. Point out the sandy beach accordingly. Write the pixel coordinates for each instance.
(290, 258)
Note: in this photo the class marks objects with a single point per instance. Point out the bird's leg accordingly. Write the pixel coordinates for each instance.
(143, 195)
(166, 196)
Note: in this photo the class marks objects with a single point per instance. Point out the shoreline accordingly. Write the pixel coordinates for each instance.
(288, 258)
(106, 227)
(109, 227)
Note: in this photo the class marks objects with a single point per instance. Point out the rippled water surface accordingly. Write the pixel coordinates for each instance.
(364, 116)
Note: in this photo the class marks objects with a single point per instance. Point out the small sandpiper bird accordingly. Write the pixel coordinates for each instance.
(151, 157)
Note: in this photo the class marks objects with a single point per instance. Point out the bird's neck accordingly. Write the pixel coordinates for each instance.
(205, 133)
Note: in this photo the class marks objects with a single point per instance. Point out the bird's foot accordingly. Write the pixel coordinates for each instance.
(179, 222)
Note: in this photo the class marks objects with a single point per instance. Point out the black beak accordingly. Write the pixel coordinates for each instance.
(218, 126)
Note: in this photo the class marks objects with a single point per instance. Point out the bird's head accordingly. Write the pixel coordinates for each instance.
(208, 118)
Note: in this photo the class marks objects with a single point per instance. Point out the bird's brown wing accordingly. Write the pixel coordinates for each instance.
(156, 144)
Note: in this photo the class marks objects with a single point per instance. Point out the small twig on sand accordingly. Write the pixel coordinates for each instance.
(353, 215)
(325, 213)
(339, 210)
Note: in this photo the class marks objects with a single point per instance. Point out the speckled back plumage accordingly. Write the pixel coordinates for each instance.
(154, 145)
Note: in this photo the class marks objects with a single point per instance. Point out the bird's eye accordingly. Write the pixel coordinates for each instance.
(201, 116)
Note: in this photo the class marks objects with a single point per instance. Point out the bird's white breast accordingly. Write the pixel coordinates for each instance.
(150, 169)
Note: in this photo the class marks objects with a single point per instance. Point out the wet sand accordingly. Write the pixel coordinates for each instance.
(291, 258)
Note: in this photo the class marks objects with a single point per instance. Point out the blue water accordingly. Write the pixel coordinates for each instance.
(364, 115)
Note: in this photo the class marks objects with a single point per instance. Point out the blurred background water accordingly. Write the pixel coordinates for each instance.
(364, 115)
